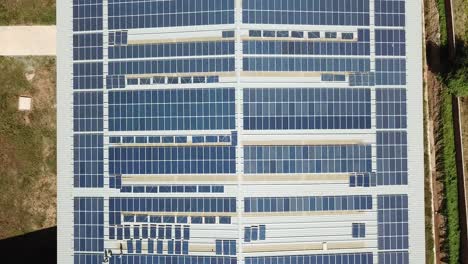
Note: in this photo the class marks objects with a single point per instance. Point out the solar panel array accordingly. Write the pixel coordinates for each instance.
(256, 132)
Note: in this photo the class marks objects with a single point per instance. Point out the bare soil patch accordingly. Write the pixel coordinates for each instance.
(434, 88)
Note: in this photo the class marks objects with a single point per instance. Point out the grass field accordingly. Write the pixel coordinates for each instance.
(28, 144)
(455, 78)
(442, 23)
(460, 9)
(452, 80)
(27, 12)
(449, 170)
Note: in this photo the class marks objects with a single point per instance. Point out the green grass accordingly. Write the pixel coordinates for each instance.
(449, 170)
(442, 23)
(27, 12)
(455, 79)
(461, 19)
(457, 85)
(23, 139)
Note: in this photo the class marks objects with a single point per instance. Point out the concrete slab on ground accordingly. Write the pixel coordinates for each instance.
(28, 40)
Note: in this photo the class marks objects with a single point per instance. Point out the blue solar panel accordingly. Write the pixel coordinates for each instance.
(136, 14)
(307, 108)
(304, 12)
(393, 222)
(212, 131)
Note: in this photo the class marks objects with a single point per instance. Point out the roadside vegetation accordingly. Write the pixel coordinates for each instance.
(442, 22)
(448, 168)
(28, 146)
(457, 76)
(27, 12)
(454, 80)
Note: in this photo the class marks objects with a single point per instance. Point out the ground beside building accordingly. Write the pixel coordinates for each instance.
(27, 12)
(28, 143)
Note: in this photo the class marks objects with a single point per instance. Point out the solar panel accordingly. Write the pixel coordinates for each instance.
(251, 132)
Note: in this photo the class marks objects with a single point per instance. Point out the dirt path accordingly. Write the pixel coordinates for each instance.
(28, 41)
(435, 177)
(433, 86)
